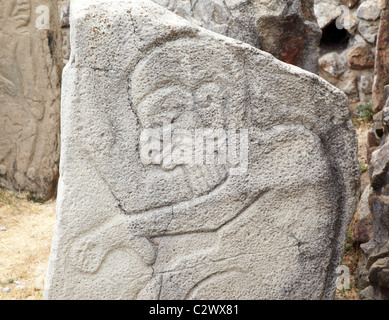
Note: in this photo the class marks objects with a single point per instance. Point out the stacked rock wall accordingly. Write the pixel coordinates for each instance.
(286, 29)
(347, 49)
(372, 227)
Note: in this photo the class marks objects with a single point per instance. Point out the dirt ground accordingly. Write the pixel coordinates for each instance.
(25, 244)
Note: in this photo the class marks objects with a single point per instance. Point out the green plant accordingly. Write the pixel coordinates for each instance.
(366, 112)
(33, 198)
(363, 167)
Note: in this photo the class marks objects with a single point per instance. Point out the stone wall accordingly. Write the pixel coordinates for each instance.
(286, 29)
(372, 228)
(347, 49)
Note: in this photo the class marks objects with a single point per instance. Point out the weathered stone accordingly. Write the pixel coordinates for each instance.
(379, 166)
(348, 85)
(64, 11)
(66, 44)
(333, 64)
(375, 256)
(368, 30)
(386, 94)
(366, 83)
(369, 153)
(350, 23)
(385, 116)
(362, 274)
(380, 222)
(327, 11)
(3, 170)
(342, 38)
(30, 71)
(383, 277)
(131, 229)
(360, 57)
(357, 40)
(365, 86)
(349, 3)
(287, 30)
(376, 268)
(363, 209)
(381, 72)
(367, 293)
(377, 119)
(362, 232)
(372, 139)
(369, 10)
(373, 271)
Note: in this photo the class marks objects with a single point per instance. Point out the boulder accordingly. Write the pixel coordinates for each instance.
(368, 30)
(379, 166)
(333, 64)
(363, 210)
(30, 81)
(138, 220)
(360, 57)
(369, 10)
(327, 11)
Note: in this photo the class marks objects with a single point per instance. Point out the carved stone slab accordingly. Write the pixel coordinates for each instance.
(30, 73)
(138, 220)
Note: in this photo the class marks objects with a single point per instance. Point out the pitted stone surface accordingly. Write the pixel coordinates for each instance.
(30, 78)
(129, 230)
(286, 29)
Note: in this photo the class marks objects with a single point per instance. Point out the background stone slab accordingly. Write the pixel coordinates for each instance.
(30, 77)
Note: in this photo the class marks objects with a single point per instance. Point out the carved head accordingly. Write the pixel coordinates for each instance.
(171, 86)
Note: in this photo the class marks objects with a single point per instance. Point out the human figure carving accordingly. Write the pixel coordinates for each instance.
(279, 160)
(17, 85)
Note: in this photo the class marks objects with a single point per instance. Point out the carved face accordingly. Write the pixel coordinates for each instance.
(17, 11)
(175, 89)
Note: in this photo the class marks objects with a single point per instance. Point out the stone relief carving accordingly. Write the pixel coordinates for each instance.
(29, 105)
(182, 232)
(165, 203)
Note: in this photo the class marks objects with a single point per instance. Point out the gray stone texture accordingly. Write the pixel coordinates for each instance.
(286, 29)
(126, 230)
